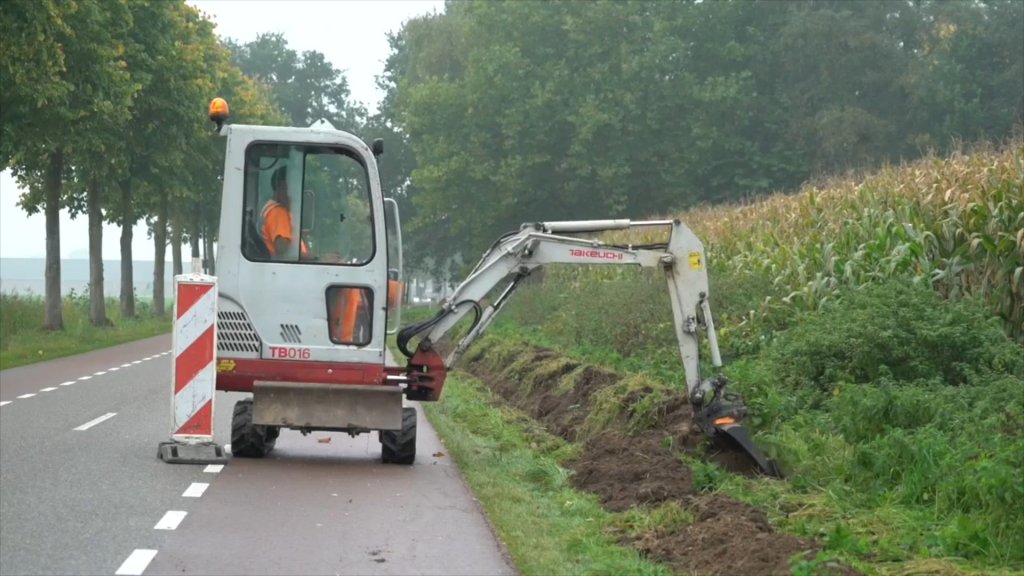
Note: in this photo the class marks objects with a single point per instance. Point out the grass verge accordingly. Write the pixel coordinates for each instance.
(513, 468)
(24, 341)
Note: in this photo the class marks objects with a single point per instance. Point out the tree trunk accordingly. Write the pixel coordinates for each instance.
(176, 249)
(208, 255)
(127, 283)
(54, 174)
(160, 243)
(97, 300)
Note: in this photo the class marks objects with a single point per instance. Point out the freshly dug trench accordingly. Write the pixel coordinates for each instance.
(643, 469)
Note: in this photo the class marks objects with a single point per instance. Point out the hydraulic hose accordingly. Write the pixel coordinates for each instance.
(411, 331)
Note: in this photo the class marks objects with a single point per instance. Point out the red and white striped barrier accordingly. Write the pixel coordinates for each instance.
(193, 371)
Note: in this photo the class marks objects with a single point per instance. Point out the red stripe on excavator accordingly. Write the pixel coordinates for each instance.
(247, 371)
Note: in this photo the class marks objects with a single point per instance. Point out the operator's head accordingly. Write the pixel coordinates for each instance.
(279, 184)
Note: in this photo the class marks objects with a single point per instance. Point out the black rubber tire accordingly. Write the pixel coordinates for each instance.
(399, 446)
(249, 440)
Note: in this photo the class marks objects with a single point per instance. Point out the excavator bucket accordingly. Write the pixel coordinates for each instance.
(731, 435)
(720, 417)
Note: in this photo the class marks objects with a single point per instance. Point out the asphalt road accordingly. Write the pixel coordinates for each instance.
(82, 491)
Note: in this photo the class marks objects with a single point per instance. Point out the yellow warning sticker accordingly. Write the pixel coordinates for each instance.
(695, 263)
(226, 366)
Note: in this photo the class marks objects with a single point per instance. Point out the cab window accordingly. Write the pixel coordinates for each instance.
(306, 204)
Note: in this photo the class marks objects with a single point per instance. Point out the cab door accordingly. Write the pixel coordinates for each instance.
(311, 267)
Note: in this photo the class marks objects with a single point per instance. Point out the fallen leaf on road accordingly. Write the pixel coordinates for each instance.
(326, 440)
(438, 454)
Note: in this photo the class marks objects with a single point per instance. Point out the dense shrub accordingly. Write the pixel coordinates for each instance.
(894, 331)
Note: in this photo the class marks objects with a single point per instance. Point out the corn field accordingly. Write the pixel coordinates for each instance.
(955, 224)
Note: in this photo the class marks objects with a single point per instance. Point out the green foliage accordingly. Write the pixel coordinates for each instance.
(895, 410)
(512, 467)
(952, 224)
(519, 112)
(821, 563)
(102, 114)
(898, 399)
(305, 86)
(896, 332)
(24, 341)
(668, 518)
(637, 401)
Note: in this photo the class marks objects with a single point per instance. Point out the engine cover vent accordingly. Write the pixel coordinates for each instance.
(235, 333)
(291, 333)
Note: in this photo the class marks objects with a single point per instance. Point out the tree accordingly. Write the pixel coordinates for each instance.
(64, 78)
(521, 111)
(306, 86)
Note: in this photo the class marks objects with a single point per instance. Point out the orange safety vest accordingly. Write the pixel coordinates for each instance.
(345, 311)
(344, 314)
(277, 223)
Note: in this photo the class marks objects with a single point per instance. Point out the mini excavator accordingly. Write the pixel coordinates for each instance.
(302, 317)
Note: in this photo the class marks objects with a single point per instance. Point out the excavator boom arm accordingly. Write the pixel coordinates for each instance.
(514, 256)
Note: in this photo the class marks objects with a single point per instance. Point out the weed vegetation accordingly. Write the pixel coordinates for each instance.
(874, 328)
(24, 341)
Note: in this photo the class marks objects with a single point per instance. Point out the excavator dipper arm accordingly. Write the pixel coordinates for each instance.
(515, 255)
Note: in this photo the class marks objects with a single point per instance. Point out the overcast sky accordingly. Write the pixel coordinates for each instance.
(351, 34)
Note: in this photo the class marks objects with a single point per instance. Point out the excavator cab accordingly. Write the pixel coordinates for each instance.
(304, 270)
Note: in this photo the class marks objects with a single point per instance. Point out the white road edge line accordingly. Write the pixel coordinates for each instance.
(126, 365)
(213, 468)
(68, 383)
(84, 377)
(6, 402)
(136, 562)
(170, 520)
(50, 389)
(195, 490)
(96, 421)
(100, 373)
(23, 396)
(137, 362)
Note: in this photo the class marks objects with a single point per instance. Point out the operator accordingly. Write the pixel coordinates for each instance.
(278, 234)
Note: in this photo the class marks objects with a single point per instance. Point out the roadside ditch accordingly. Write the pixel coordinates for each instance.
(634, 436)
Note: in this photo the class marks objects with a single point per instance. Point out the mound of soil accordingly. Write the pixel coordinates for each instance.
(727, 536)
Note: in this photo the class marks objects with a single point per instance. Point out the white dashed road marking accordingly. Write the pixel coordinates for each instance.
(26, 396)
(136, 563)
(96, 421)
(50, 389)
(213, 468)
(137, 362)
(100, 373)
(170, 520)
(68, 383)
(195, 490)
(84, 377)
(5, 402)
